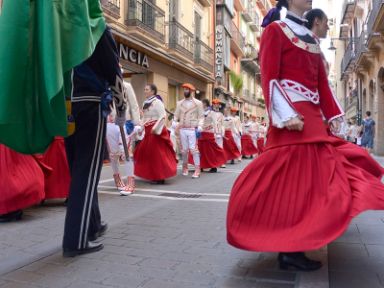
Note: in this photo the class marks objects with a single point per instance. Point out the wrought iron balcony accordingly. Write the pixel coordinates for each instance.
(348, 10)
(349, 58)
(255, 24)
(247, 11)
(249, 62)
(347, 15)
(373, 15)
(361, 46)
(111, 7)
(264, 5)
(246, 94)
(204, 55)
(148, 17)
(250, 52)
(180, 39)
(237, 40)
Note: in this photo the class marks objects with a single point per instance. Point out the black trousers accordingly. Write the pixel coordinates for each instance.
(85, 150)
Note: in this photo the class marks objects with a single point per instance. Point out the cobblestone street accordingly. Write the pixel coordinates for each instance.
(162, 236)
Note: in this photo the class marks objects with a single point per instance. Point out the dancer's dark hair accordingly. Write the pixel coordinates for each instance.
(274, 13)
(153, 88)
(312, 15)
(206, 102)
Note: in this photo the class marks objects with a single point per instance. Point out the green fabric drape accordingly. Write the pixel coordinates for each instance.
(40, 42)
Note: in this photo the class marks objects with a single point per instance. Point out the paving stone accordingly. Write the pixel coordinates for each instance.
(354, 280)
(23, 276)
(245, 283)
(171, 284)
(123, 281)
(159, 263)
(15, 284)
(125, 259)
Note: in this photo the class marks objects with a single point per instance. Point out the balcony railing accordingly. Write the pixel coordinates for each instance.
(248, 10)
(111, 7)
(348, 58)
(246, 94)
(148, 16)
(237, 37)
(180, 39)
(250, 52)
(376, 6)
(361, 46)
(348, 7)
(255, 24)
(204, 55)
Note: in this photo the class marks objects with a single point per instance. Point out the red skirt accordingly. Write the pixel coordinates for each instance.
(247, 146)
(358, 156)
(211, 154)
(21, 181)
(298, 198)
(230, 148)
(260, 145)
(154, 157)
(57, 182)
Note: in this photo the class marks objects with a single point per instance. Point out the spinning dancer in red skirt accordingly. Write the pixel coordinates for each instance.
(211, 154)
(302, 192)
(231, 149)
(154, 156)
(248, 147)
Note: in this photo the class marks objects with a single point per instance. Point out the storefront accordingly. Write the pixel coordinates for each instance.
(144, 64)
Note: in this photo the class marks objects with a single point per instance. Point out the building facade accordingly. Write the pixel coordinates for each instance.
(165, 42)
(238, 34)
(362, 65)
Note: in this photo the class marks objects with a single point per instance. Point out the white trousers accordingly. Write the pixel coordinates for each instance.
(188, 143)
(115, 164)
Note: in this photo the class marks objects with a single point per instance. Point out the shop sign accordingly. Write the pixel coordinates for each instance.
(219, 46)
(134, 56)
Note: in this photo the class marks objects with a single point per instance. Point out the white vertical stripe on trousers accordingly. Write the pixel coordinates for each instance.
(94, 184)
(87, 204)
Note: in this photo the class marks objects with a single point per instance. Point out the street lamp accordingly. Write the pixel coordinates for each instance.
(332, 46)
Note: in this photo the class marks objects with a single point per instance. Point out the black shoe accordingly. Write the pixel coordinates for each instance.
(298, 261)
(160, 182)
(101, 232)
(213, 170)
(90, 248)
(12, 216)
(232, 162)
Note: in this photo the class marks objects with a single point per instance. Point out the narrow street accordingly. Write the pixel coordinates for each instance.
(167, 236)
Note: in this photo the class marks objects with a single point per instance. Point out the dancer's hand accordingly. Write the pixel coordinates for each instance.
(295, 124)
(335, 126)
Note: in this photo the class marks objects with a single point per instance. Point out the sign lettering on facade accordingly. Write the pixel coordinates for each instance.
(133, 56)
(219, 64)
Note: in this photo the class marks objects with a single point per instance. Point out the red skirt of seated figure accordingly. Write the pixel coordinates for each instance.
(21, 181)
(57, 182)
